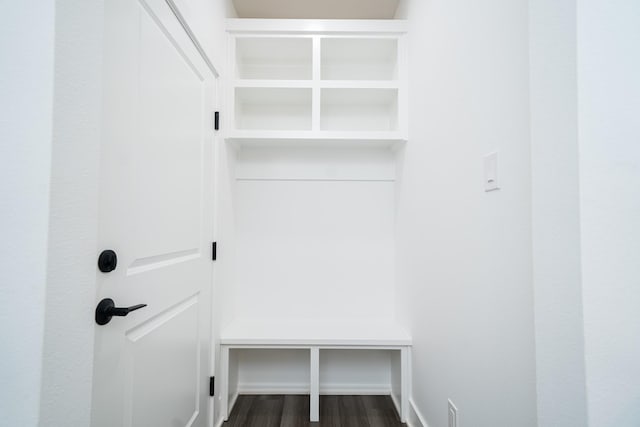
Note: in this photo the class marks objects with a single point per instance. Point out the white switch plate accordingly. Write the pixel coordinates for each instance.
(491, 172)
(452, 414)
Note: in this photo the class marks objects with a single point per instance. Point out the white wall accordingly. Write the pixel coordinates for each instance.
(26, 93)
(69, 324)
(464, 256)
(314, 250)
(314, 233)
(609, 132)
(556, 218)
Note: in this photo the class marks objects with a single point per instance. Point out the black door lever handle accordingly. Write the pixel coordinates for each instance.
(106, 309)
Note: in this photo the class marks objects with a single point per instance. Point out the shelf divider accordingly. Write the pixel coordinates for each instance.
(315, 97)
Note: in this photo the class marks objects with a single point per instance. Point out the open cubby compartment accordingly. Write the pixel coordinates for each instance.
(272, 108)
(269, 371)
(363, 110)
(359, 59)
(356, 371)
(274, 58)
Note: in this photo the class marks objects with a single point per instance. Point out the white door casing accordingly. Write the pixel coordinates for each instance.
(151, 367)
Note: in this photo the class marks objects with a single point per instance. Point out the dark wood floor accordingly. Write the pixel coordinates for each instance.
(293, 411)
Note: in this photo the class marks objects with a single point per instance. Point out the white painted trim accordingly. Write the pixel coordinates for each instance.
(304, 388)
(316, 105)
(405, 385)
(415, 416)
(273, 389)
(318, 26)
(359, 389)
(314, 395)
(396, 403)
(183, 22)
(224, 382)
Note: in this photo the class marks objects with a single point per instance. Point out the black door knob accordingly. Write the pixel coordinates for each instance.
(106, 309)
(107, 261)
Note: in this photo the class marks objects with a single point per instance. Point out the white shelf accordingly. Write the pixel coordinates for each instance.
(314, 332)
(272, 109)
(359, 59)
(325, 84)
(359, 84)
(300, 82)
(273, 58)
(241, 139)
(273, 83)
(317, 135)
(359, 110)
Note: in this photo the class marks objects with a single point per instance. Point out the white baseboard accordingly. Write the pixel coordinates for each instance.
(415, 416)
(396, 403)
(261, 388)
(333, 389)
(357, 389)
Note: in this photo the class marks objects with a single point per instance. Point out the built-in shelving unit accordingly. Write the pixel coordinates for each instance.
(316, 113)
(323, 82)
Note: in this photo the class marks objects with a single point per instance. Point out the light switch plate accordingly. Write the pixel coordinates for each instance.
(491, 172)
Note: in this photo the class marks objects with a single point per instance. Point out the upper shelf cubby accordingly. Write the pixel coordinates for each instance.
(317, 81)
(353, 110)
(284, 109)
(359, 58)
(273, 58)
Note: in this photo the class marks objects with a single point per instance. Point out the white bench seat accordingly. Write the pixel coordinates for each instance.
(316, 335)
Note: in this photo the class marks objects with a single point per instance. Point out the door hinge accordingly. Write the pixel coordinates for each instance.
(214, 251)
(212, 386)
(216, 120)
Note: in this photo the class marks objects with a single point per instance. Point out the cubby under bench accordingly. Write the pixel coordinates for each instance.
(314, 338)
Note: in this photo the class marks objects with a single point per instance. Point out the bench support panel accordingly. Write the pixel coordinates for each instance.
(314, 397)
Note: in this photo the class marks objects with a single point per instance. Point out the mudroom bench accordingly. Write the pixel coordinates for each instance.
(316, 337)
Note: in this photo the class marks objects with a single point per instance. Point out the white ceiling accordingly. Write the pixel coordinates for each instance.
(317, 9)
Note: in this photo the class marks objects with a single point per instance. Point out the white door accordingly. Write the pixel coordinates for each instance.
(151, 367)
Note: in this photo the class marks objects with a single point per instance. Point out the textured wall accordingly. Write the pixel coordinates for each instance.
(26, 93)
(609, 138)
(464, 256)
(556, 217)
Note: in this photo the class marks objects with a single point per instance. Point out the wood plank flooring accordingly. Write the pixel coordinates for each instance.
(293, 411)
